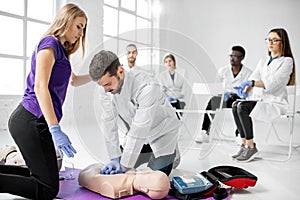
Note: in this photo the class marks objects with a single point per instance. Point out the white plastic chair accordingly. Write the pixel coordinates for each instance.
(205, 90)
(209, 89)
(293, 95)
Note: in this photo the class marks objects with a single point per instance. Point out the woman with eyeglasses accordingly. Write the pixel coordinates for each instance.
(267, 92)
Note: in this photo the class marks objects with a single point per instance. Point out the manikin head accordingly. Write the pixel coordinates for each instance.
(155, 184)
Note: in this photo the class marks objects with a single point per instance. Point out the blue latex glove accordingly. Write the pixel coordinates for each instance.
(240, 92)
(245, 84)
(114, 167)
(227, 96)
(171, 100)
(61, 141)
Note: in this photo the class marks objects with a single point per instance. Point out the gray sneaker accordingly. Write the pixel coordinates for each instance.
(248, 155)
(239, 152)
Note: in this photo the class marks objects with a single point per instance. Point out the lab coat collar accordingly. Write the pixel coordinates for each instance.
(276, 62)
(125, 85)
(271, 59)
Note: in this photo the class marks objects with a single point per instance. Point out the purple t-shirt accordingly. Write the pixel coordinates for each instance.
(59, 79)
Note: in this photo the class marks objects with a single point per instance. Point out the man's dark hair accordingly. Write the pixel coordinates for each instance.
(112, 68)
(239, 49)
(103, 62)
(131, 45)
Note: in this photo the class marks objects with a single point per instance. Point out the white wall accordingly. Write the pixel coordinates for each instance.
(216, 25)
(194, 27)
(94, 11)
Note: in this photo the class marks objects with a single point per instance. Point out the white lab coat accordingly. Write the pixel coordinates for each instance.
(225, 75)
(151, 119)
(172, 88)
(141, 69)
(272, 100)
(121, 126)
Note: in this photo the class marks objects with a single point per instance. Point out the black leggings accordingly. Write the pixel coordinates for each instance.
(34, 140)
(241, 112)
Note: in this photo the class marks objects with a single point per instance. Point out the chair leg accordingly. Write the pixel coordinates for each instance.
(276, 133)
(290, 142)
(272, 126)
(218, 125)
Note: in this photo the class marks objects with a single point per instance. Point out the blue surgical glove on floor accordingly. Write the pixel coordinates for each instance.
(240, 92)
(114, 167)
(61, 141)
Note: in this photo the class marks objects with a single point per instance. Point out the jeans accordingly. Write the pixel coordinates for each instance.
(31, 134)
(162, 163)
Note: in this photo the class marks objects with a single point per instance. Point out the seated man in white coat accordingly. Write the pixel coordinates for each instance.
(231, 75)
(139, 102)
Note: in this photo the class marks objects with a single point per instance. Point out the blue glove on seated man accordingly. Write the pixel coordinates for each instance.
(171, 100)
(240, 92)
(61, 141)
(227, 96)
(114, 167)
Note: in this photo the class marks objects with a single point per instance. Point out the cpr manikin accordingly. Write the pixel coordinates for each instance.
(155, 184)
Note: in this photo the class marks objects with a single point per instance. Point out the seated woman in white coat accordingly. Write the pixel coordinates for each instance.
(268, 87)
(172, 82)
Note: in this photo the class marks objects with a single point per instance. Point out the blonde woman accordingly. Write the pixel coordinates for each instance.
(34, 125)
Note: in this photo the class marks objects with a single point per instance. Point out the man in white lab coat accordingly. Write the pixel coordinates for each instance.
(139, 102)
(231, 75)
(131, 53)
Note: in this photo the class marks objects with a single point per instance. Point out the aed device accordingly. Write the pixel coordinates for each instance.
(204, 184)
(191, 184)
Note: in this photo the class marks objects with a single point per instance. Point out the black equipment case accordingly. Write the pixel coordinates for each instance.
(228, 175)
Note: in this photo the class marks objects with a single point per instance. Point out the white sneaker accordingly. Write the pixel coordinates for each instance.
(202, 137)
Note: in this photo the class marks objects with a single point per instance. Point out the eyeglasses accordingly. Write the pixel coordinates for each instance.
(234, 56)
(273, 41)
